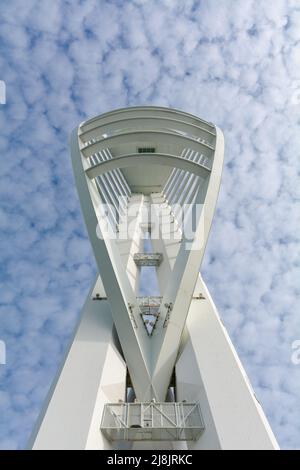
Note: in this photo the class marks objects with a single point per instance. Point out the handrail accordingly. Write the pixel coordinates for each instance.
(155, 109)
(148, 136)
(147, 158)
(88, 134)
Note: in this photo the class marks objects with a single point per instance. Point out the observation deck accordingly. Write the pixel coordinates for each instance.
(152, 421)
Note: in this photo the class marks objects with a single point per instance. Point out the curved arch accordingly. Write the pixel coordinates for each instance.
(146, 136)
(134, 159)
(145, 109)
(101, 126)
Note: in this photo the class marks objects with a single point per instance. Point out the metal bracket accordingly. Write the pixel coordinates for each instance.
(131, 316)
(98, 297)
(169, 307)
(199, 297)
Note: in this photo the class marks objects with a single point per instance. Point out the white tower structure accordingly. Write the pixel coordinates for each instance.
(149, 369)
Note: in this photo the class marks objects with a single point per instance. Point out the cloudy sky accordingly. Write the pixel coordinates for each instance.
(233, 62)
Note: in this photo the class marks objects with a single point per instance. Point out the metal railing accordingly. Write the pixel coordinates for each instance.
(150, 310)
(152, 421)
(148, 259)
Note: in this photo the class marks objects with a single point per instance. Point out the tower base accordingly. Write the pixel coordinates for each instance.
(208, 373)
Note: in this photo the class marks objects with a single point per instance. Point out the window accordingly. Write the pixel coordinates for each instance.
(146, 149)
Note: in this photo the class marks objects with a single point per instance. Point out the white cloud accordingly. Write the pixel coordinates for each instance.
(233, 62)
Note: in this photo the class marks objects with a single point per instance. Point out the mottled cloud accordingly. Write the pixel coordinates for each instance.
(235, 63)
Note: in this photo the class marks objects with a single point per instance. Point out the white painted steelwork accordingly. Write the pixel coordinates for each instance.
(126, 162)
(152, 421)
(148, 259)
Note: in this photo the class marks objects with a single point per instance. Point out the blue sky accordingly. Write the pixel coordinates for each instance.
(233, 62)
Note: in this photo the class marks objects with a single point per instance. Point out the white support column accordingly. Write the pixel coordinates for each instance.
(209, 371)
(179, 290)
(128, 246)
(93, 373)
(120, 294)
